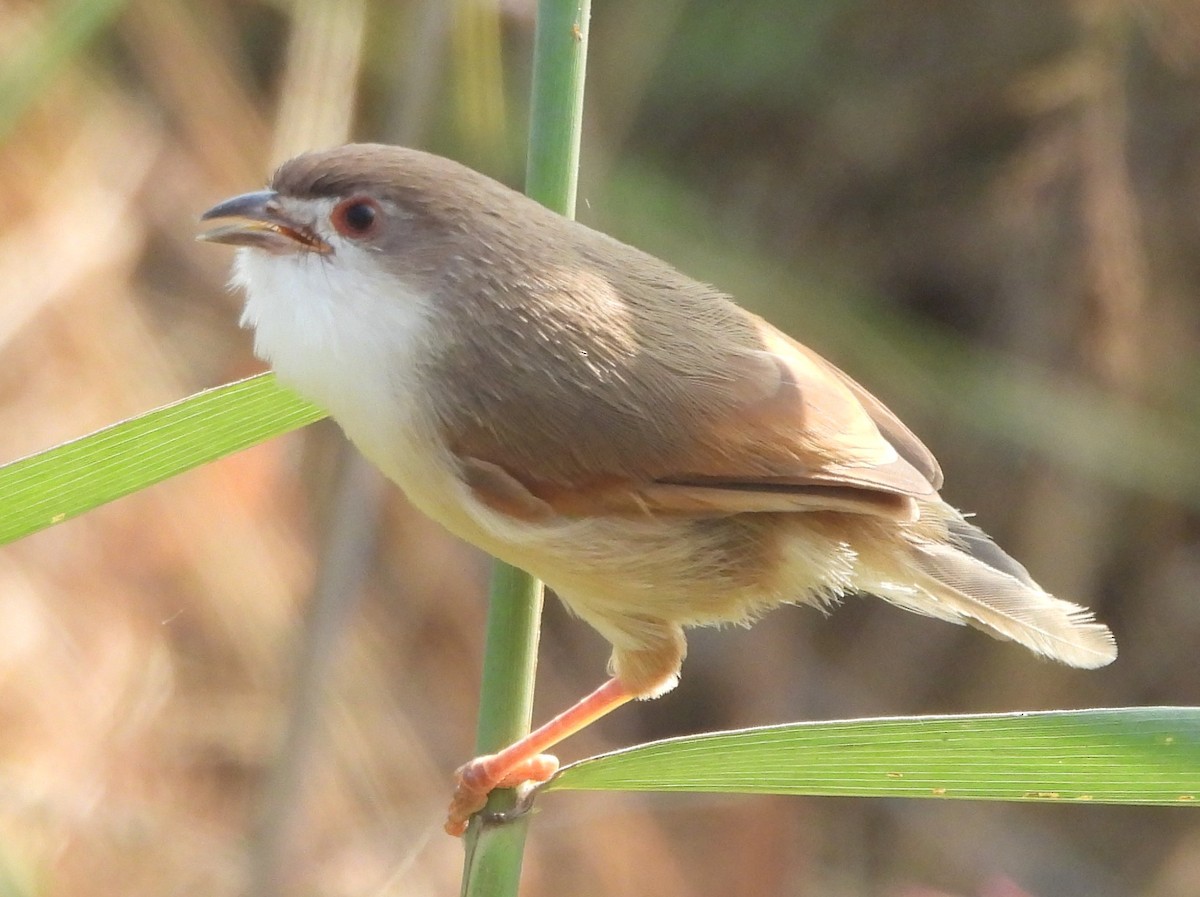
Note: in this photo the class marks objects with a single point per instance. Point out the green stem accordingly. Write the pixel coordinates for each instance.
(494, 852)
(556, 114)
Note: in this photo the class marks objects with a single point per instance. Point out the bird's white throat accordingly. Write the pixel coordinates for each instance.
(347, 336)
(340, 331)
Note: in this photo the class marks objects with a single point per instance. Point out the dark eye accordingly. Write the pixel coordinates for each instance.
(356, 217)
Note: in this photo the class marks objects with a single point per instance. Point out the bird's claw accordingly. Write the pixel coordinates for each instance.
(474, 781)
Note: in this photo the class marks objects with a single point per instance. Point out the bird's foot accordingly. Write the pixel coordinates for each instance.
(474, 781)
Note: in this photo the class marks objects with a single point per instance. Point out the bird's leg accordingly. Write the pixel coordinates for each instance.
(523, 760)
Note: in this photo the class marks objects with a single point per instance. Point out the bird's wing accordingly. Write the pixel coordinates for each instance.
(891, 427)
(775, 428)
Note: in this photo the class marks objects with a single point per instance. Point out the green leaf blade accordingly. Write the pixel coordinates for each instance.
(62, 482)
(1148, 756)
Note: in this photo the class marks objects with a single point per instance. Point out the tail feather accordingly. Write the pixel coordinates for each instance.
(975, 582)
(980, 546)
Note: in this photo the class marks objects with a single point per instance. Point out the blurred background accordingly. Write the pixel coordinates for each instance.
(258, 677)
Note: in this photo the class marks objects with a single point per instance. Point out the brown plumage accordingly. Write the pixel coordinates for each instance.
(660, 456)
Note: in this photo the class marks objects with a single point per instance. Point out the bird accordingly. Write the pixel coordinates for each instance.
(659, 456)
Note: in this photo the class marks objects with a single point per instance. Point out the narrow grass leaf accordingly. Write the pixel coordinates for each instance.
(62, 482)
(1122, 756)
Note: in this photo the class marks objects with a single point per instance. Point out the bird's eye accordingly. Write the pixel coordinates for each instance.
(356, 217)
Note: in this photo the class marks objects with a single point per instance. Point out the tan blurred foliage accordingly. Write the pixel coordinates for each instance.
(1023, 173)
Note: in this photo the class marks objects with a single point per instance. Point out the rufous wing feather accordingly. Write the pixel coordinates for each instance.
(891, 427)
(777, 428)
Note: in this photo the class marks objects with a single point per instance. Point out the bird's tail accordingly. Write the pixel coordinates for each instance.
(969, 579)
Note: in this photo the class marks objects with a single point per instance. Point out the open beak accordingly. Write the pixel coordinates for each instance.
(263, 225)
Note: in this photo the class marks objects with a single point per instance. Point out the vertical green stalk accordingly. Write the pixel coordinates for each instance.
(556, 109)
(494, 852)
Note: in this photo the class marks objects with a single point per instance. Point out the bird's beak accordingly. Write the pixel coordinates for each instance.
(263, 225)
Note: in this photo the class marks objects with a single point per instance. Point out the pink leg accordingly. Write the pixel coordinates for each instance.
(523, 760)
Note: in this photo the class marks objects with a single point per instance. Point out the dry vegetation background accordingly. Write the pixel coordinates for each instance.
(985, 210)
